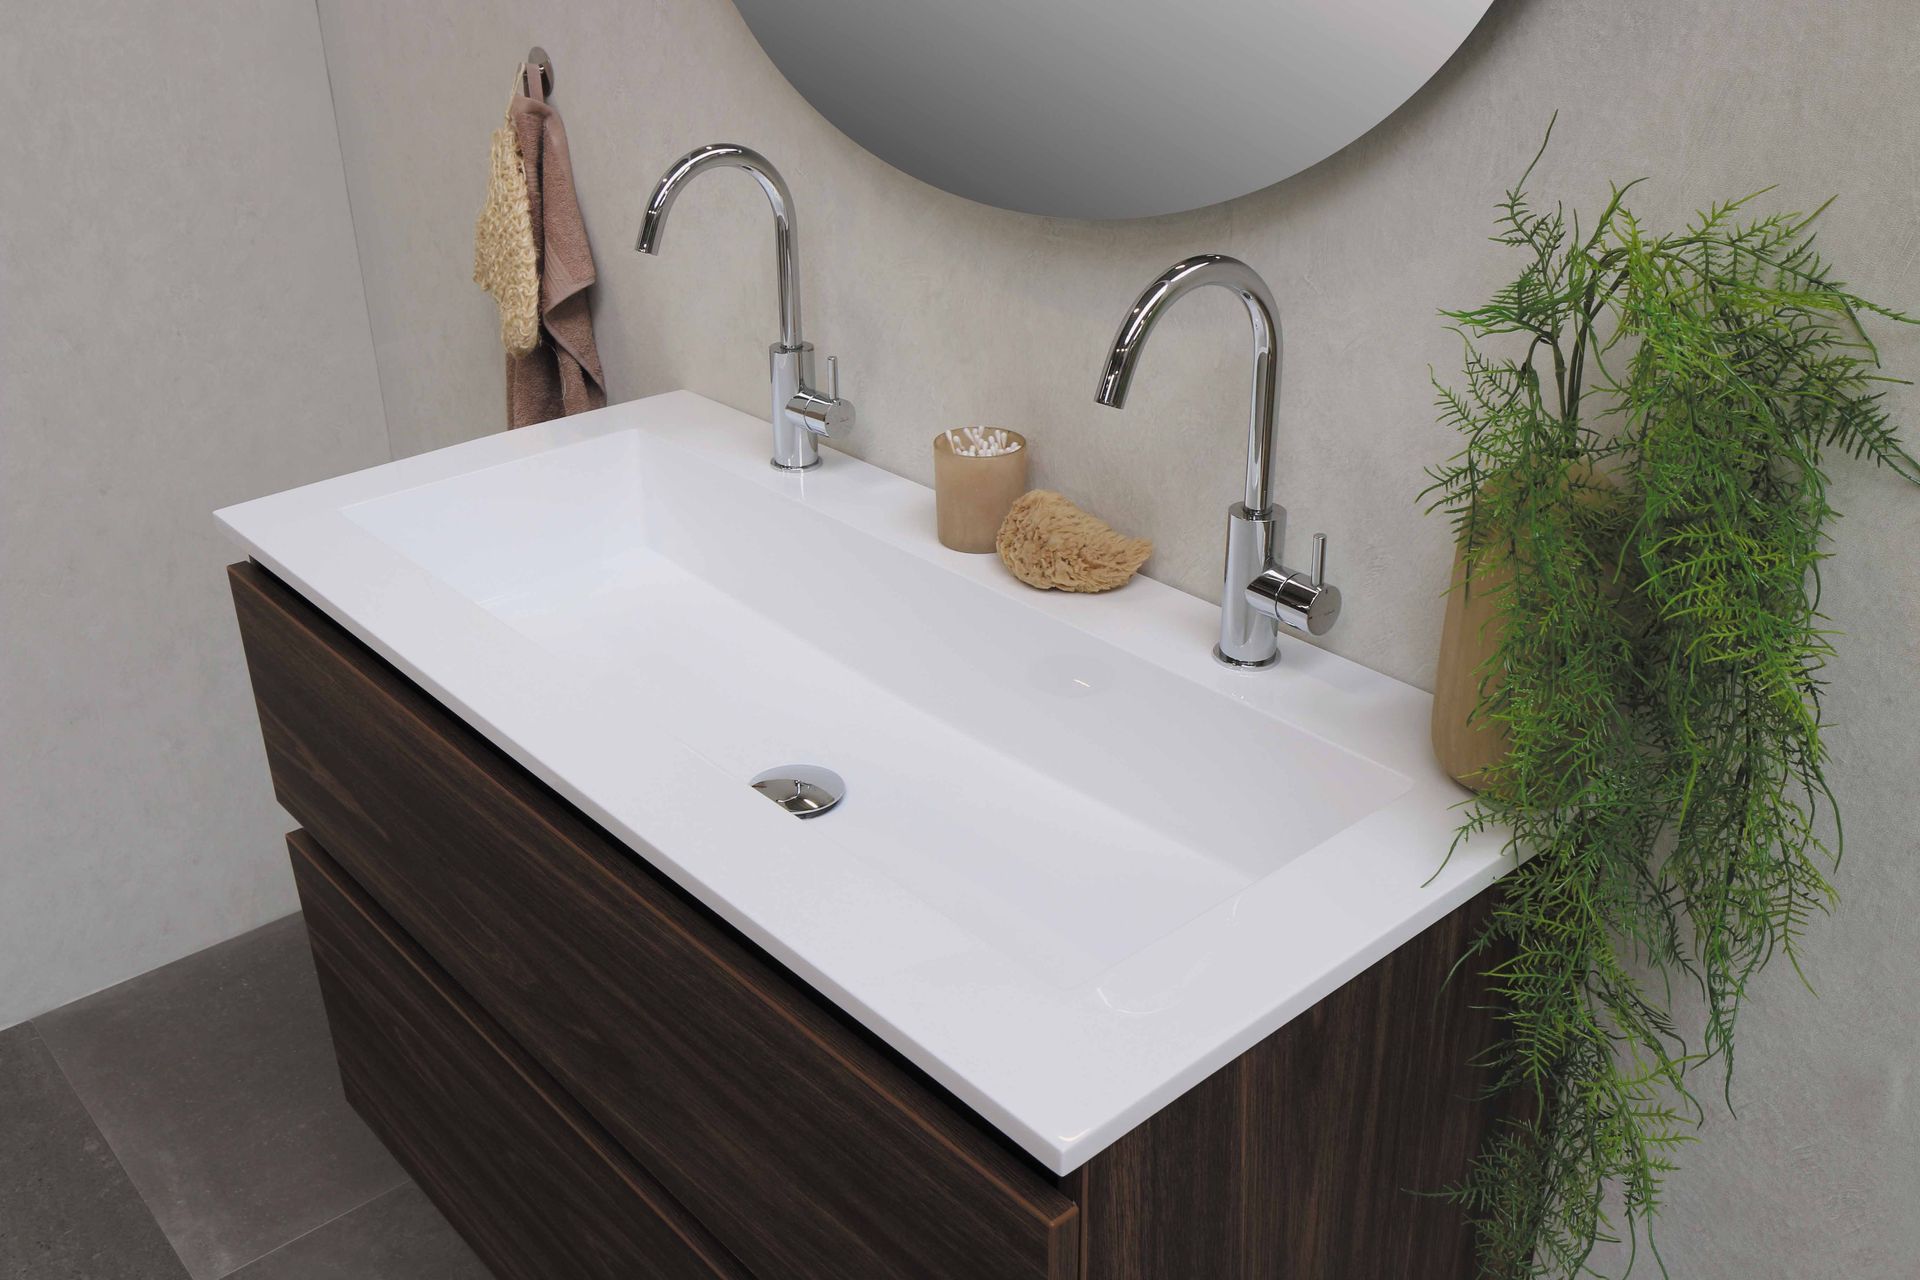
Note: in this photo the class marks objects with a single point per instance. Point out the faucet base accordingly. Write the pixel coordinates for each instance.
(790, 369)
(1248, 638)
(1237, 665)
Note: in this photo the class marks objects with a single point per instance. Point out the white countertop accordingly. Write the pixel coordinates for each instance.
(1081, 866)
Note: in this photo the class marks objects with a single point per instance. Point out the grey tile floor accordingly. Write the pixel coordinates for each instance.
(188, 1125)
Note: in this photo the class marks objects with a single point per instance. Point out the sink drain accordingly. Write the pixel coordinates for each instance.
(803, 790)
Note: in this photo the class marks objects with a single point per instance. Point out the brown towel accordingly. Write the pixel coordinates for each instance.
(562, 375)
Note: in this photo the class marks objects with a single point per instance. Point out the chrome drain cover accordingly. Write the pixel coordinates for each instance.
(803, 790)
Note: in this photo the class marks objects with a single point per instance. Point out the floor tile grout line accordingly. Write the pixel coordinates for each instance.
(401, 1185)
(53, 1056)
(86, 1109)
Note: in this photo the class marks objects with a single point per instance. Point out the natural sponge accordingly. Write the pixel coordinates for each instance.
(1051, 544)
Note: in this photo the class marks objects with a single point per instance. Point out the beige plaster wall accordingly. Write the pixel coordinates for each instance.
(181, 327)
(947, 312)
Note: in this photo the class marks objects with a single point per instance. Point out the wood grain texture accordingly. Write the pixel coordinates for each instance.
(803, 1149)
(1301, 1158)
(527, 1177)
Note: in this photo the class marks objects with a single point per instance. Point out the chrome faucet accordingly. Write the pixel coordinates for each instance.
(800, 413)
(1258, 593)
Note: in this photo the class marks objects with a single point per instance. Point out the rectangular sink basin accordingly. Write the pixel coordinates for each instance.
(1066, 801)
(1078, 865)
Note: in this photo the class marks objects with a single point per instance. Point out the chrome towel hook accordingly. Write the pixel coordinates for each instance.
(537, 58)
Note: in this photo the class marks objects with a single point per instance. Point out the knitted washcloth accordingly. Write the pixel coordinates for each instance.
(504, 261)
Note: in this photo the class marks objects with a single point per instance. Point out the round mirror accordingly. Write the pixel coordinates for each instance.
(1107, 108)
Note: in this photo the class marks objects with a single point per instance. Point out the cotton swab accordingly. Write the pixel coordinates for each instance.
(981, 442)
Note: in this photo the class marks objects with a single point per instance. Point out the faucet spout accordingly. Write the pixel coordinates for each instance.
(1258, 594)
(798, 412)
(1179, 280)
(731, 155)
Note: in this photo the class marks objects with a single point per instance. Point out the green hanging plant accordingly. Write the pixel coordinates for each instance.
(1644, 487)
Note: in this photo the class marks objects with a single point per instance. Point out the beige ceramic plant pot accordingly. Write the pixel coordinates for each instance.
(972, 496)
(1471, 635)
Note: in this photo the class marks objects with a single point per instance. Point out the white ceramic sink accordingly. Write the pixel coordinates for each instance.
(1066, 801)
(1079, 866)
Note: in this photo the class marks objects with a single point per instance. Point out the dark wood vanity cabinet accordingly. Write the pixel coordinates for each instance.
(534, 1183)
(594, 1076)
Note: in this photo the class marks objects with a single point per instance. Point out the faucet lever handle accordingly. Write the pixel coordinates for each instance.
(818, 413)
(1303, 601)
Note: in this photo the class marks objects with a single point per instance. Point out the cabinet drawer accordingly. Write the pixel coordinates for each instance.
(806, 1150)
(527, 1177)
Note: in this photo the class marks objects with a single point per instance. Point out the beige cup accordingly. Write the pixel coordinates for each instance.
(971, 496)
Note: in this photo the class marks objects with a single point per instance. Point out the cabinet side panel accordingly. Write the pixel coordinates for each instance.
(1303, 1158)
